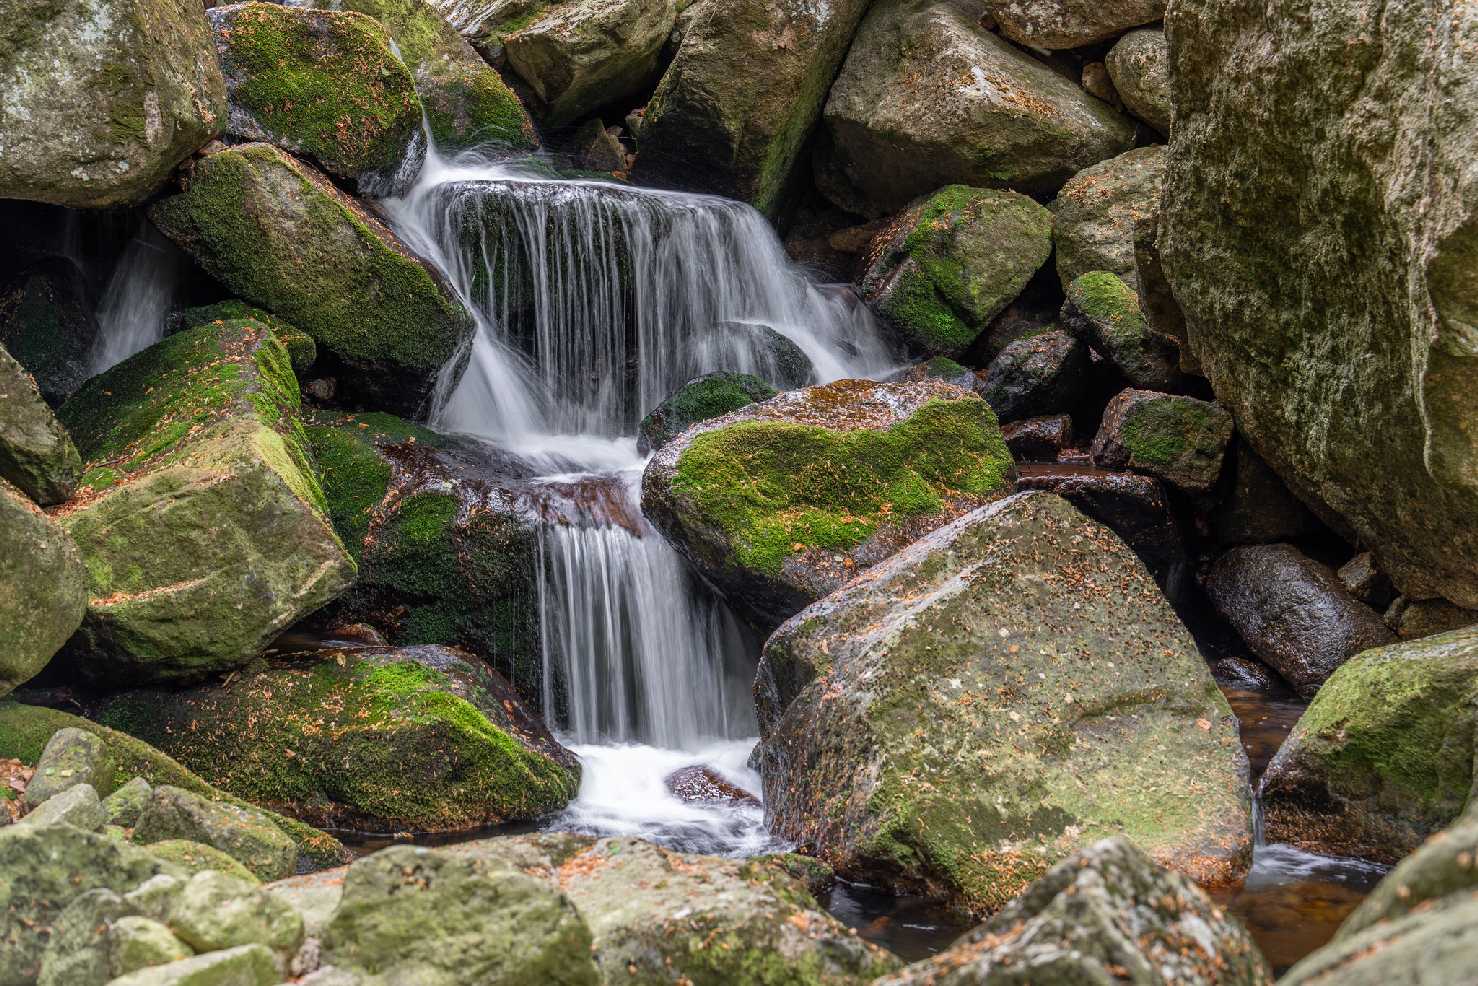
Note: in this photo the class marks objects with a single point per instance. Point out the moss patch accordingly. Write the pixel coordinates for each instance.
(1112, 304)
(703, 399)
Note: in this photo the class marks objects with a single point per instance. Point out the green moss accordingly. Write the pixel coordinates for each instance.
(355, 481)
(196, 857)
(25, 729)
(773, 485)
(918, 305)
(1160, 432)
(1106, 299)
(944, 368)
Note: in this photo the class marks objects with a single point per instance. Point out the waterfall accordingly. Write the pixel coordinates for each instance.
(140, 293)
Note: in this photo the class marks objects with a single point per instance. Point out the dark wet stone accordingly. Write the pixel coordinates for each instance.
(1039, 439)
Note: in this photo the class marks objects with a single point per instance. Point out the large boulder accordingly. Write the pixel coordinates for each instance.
(929, 97)
(709, 127)
(423, 739)
(1095, 214)
(201, 523)
(1063, 699)
(701, 399)
(1325, 270)
(281, 236)
(1105, 914)
(36, 453)
(1139, 65)
(47, 323)
(43, 588)
(581, 55)
(127, 89)
(1105, 313)
(319, 83)
(1181, 440)
(245, 834)
(1292, 612)
(1383, 756)
(779, 503)
(944, 268)
(1056, 24)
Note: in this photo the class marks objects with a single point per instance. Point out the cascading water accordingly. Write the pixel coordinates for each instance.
(140, 293)
(593, 302)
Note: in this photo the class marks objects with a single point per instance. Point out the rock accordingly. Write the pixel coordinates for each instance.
(702, 785)
(25, 730)
(244, 834)
(47, 867)
(939, 368)
(1181, 440)
(1363, 580)
(136, 943)
(36, 453)
(1424, 617)
(446, 555)
(1042, 374)
(412, 915)
(97, 938)
(76, 806)
(1379, 760)
(660, 916)
(47, 324)
(203, 527)
(1341, 342)
(43, 588)
(1139, 64)
(1096, 80)
(215, 911)
(599, 149)
(1441, 867)
(322, 84)
(1104, 312)
(1065, 703)
(128, 89)
(761, 350)
(73, 757)
(1105, 914)
(467, 104)
(189, 857)
(298, 247)
(579, 56)
(709, 128)
(1132, 506)
(701, 399)
(124, 805)
(421, 739)
(929, 97)
(248, 965)
(1038, 439)
(781, 502)
(1056, 24)
(1156, 299)
(1257, 508)
(1094, 215)
(1292, 612)
(948, 265)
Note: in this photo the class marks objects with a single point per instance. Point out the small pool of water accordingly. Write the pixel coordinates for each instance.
(912, 928)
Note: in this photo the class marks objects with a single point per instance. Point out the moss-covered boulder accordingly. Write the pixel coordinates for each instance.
(1181, 440)
(1139, 65)
(281, 236)
(191, 857)
(750, 346)
(779, 503)
(244, 965)
(1042, 374)
(1055, 24)
(1330, 300)
(1105, 914)
(1383, 757)
(929, 97)
(47, 323)
(99, 936)
(991, 698)
(445, 555)
(302, 351)
(1095, 214)
(43, 588)
(1105, 313)
(702, 399)
(946, 266)
(36, 453)
(577, 56)
(323, 84)
(245, 834)
(411, 915)
(710, 128)
(422, 739)
(71, 757)
(127, 89)
(200, 520)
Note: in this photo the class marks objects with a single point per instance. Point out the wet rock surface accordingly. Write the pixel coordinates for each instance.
(1181, 440)
(1041, 375)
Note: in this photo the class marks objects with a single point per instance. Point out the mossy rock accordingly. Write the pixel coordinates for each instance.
(779, 503)
(1064, 703)
(1104, 312)
(201, 521)
(320, 83)
(26, 729)
(421, 739)
(952, 262)
(43, 588)
(47, 322)
(707, 397)
(1181, 440)
(36, 453)
(1383, 756)
(196, 857)
(1139, 65)
(282, 237)
(1095, 214)
(128, 90)
(302, 351)
(248, 835)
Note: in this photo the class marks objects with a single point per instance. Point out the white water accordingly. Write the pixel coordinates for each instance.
(593, 302)
(141, 291)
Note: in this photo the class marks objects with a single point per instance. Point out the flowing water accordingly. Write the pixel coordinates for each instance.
(141, 292)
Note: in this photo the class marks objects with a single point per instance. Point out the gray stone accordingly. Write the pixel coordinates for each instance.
(43, 588)
(72, 757)
(1105, 313)
(248, 965)
(1055, 24)
(77, 951)
(77, 806)
(36, 453)
(1095, 214)
(1043, 374)
(1038, 439)
(1139, 64)
(1365, 581)
(247, 835)
(214, 911)
(1182, 440)
(1257, 507)
(125, 805)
